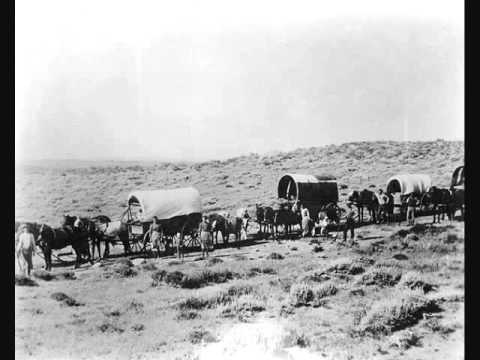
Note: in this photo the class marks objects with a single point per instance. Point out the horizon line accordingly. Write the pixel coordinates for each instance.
(206, 159)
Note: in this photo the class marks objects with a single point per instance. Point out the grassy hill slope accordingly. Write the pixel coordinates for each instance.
(44, 192)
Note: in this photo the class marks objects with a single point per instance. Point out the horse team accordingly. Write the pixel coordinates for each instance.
(85, 235)
(386, 207)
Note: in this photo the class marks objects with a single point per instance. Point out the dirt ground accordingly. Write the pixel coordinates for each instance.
(127, 315)
(396, 292)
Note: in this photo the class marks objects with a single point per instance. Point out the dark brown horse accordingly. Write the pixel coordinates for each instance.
(385, 208)
(440, 201)
(94, 226)
(365, 199)
(265, 217)
(91, 227)
(54, 239)
(286, 218)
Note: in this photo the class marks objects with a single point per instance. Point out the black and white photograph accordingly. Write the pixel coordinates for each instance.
(274, 180)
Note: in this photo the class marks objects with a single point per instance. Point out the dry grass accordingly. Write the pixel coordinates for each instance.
(302, 294)
(413, 280)
(383, 276)
(396, 313)
(218, 299)
(175, 316)
(78, 189)
(192, 280)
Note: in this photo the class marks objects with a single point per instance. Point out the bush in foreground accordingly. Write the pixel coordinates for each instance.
(65, 299)
(192, 280)
(245, 305)
(221, 298)
(302, 294)
(275, 256)
(22, 280)
(413, 280)
(383, 276)
(201, 335)
(396, 313)
(405, 339)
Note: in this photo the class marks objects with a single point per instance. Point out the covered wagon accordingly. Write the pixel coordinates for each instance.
(409, 183)
(458, 178)
(179, 212)
(315, 192)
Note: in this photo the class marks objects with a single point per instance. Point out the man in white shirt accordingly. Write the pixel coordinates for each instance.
(25, 250)
(305, 220)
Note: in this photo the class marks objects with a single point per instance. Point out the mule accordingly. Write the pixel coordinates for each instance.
(55, 239)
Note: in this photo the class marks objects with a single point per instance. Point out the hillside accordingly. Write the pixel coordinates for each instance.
(396, 291)
(44, 192)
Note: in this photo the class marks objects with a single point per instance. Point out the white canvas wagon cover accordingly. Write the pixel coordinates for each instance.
(166, 204)
(409, 183)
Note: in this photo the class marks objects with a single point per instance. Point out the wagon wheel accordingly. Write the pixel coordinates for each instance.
(191, 239)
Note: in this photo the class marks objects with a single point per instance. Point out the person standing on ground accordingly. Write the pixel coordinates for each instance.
(323, 223)
(382, 206)
(25, 250)
(411, 204)
(204, 231)
(349, 222)
(305, 220)
(397, 207)
(155, 236)
(179, 243)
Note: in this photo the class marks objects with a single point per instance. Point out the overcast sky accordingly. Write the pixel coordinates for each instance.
(212, 79)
